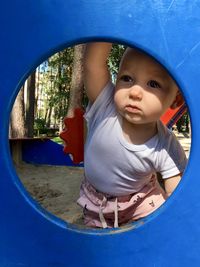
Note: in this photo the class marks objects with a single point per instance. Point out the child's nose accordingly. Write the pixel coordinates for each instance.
(136, 92)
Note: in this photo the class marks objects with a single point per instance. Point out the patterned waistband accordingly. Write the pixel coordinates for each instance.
(100, 195)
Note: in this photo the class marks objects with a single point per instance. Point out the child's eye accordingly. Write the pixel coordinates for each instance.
(154, 84)
(126, 78)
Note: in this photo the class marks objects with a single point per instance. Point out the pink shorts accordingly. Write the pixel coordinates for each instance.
(106, 211)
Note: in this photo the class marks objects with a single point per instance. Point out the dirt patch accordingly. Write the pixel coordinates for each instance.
(56, 188)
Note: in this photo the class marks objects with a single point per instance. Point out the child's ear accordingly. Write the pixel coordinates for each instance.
(178, 101)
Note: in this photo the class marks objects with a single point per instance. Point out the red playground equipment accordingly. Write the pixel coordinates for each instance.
(73, 136)
(171, 116)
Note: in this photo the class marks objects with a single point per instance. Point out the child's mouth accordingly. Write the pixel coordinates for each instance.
(132, 109)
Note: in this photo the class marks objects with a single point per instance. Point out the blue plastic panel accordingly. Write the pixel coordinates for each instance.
(30, 32)
(40, 151)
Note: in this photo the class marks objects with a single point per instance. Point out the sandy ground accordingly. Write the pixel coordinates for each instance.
(56, 188)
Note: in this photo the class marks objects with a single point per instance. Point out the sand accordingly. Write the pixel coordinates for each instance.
(56, 188)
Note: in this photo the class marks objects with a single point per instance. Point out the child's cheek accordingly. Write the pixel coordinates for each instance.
(117, 100)
(115, 96)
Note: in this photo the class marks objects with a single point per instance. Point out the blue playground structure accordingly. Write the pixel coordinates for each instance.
(31, 31)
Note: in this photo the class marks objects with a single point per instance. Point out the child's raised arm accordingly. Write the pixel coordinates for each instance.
(96, 73)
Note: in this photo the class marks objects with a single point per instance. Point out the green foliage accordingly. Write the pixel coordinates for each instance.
(60, 66)
(39, 124)
(183, 123)
(114, 59)
(55, 77)
(40, 127)
(58, 140)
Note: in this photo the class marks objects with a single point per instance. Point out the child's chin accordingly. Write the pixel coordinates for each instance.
(135, 121)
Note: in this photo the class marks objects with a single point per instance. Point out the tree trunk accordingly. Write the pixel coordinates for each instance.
(30, 105)
(17, 118)
(48, 118)
(76, 90)
(17, 129)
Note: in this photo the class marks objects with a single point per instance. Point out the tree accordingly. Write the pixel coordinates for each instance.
(17, 128)
(77, 86)
(17, 118)
(30, 105)
(58, 84)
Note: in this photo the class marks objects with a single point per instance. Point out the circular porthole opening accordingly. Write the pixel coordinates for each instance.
(49, 95)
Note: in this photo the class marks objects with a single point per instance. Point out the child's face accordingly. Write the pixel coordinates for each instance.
(144, 90)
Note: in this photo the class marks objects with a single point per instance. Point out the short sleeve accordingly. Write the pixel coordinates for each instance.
(172, 158)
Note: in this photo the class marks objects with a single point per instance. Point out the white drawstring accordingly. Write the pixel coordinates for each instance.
(116, 213)
(101, 216)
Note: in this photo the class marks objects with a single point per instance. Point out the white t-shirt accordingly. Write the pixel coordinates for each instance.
(117, 167)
